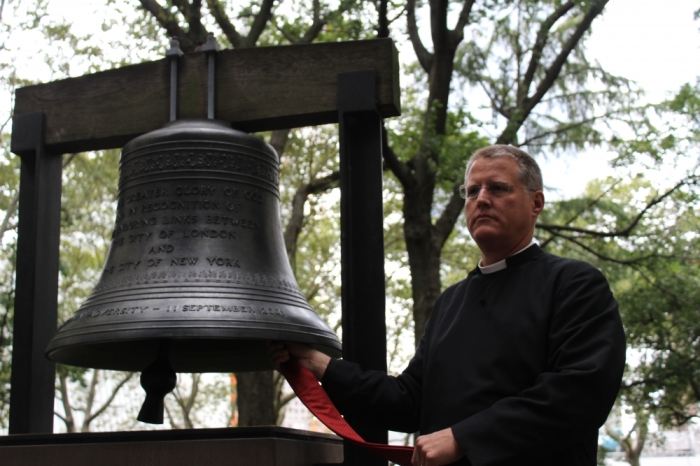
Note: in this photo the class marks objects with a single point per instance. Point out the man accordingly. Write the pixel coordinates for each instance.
(520, 362)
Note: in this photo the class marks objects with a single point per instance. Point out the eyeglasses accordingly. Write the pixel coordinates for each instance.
(495, 189)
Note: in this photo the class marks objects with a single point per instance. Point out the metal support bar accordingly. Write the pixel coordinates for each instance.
(174, 53)
(36, 294)
(211, 47)
(362, 241)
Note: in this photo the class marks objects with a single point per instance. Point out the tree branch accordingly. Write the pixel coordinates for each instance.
(540, 42)
(167, 22)
(448, 218)
(521, 113)
(581, 211)
(553, 71)
(9, 213)
(457, 34)
(603, 256)
(90, 400)
(193, 393)
(316, 26)
(383, 20)
(296, 220)
(183, 6)
(397, 167)
(259, 23)
(425, 58)
(278, 141)
(111, 397)
(174, 424)
(224, 22)
(65, 400)
(561, 129)
(194, 20)
(618, 233)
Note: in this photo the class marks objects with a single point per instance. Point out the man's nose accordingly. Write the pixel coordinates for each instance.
(484, 196)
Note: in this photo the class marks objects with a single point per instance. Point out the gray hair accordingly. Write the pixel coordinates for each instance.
(529, 172)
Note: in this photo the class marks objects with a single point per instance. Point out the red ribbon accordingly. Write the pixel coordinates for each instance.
(307, 388)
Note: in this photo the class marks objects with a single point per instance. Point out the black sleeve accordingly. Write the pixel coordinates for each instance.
(586, 356)
(387, 401)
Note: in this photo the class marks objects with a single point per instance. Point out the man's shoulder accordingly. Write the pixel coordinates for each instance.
(558, 272)
(550, 261)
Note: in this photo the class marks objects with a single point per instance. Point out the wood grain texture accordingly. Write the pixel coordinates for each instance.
(257, 89)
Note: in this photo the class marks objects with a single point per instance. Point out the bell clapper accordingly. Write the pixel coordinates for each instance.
(157, 380)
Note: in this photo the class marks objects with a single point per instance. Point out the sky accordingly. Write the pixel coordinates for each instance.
(655, 43)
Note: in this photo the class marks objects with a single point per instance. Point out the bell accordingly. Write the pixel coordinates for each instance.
(197, 275)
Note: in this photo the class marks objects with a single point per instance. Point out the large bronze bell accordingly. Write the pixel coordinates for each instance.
(197, 270)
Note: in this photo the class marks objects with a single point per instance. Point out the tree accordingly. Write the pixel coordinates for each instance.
(528, 57)
(644, 236)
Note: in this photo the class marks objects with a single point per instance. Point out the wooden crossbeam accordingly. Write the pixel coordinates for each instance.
(257, 89)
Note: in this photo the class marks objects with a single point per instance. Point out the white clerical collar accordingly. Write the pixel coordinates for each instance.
(500, 265)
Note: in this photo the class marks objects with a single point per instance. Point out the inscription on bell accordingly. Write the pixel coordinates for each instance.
(223, 262)
(222, 234)
(163, 248)
(146, 194)
(133, 224)
(195, 190)
(233, 221)
(183, 261)
(180, 205)
(179, 219)
(196, 160)
(139, 237)
(123, 310)
(216, 308)
(128, 266)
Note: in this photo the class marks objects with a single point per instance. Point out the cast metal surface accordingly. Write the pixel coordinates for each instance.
(197, 258)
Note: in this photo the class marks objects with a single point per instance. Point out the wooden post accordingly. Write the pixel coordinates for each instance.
(362, 241)
(32, 389)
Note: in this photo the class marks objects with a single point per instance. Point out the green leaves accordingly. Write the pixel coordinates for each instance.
(644, 238)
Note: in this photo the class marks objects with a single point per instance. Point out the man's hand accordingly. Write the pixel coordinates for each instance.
(312, 359)
(436, 449)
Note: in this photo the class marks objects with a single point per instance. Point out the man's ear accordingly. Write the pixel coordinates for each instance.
(537, 203)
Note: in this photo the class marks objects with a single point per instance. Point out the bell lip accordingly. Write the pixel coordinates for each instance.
(244, 360)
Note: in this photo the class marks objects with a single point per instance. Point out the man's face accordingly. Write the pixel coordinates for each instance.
(501, 221)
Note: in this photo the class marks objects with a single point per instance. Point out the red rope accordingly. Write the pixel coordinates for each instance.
(307, 388)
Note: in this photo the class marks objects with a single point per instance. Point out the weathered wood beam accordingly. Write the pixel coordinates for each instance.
(257, 89)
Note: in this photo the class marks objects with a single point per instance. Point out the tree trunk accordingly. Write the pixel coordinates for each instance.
(424, 264)
(423, 241)
(255, 396)
(632, 458)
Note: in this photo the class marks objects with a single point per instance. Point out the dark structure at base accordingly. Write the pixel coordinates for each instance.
(260, 446)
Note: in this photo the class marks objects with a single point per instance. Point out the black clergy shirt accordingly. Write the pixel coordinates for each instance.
(523, 364)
